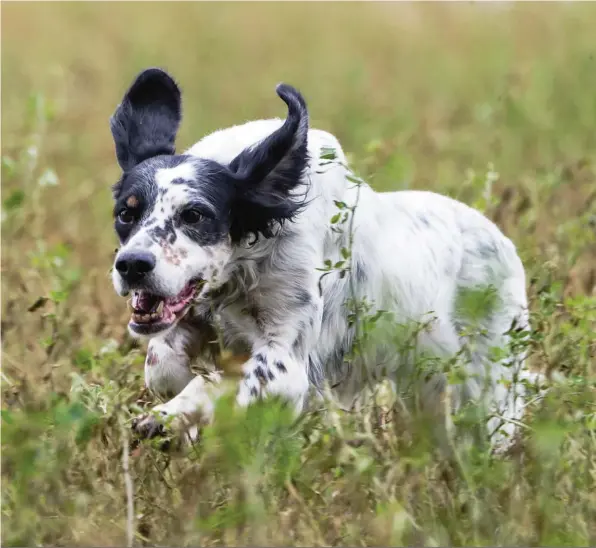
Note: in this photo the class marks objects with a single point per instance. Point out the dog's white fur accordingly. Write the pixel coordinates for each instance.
(412, 253)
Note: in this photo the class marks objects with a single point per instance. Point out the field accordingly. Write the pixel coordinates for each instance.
(492, 104)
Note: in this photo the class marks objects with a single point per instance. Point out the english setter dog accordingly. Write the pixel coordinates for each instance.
(228, 243)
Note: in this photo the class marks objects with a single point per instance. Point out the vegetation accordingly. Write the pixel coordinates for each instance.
(492, 104)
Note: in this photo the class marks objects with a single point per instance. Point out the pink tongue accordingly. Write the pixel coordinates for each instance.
(177, 306)
(181, 300)
(144, 302)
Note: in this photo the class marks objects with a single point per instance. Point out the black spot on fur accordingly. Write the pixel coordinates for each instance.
(486, 251)
(270, 375)
(303, 296)
(315, 374)
(254, 392)
(259, 373)
(326, 312)
(422, 218)
(259, 358)
(280, 366)
(361, 275)
(166, 233)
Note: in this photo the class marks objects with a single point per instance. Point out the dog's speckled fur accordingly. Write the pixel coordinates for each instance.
(264, 199)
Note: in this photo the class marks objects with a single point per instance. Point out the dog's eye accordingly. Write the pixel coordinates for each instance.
(190, 216)
(126, 216)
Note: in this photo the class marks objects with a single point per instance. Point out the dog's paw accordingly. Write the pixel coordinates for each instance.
(183, 415)
(148, 427)
(169, 427)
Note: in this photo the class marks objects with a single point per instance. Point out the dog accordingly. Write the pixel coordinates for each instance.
(261, 239)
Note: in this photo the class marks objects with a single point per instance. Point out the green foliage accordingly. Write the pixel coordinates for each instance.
(460, 100)
(474, 304)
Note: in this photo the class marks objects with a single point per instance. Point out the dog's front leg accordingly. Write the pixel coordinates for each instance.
(279, 362)
(274, 371)
(168, 374)
(185, 413)
(167, 369)
(167, 365)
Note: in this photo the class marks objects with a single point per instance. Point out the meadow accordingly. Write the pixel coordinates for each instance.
(493, 104)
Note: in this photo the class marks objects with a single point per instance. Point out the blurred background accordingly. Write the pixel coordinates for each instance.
(491, 103)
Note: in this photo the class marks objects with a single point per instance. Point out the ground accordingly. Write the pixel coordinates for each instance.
(492, 104)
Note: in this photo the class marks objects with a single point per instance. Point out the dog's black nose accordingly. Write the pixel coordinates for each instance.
(134, 265)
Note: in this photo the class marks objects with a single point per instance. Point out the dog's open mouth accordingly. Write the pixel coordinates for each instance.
(153, 313)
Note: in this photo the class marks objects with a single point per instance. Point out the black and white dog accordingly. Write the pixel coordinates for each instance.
(227, 241)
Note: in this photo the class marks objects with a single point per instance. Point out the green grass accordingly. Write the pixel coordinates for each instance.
(491, 104)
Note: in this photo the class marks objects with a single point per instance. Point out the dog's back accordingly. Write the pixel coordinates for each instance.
(415, 254)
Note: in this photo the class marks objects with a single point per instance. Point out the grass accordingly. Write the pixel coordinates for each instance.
(492, 104)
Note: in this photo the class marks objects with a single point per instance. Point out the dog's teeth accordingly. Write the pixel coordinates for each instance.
(159, 309)
(154, 316)
(141, 318)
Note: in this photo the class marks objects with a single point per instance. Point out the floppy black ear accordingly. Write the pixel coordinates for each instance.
(146, 121)
(268, 173)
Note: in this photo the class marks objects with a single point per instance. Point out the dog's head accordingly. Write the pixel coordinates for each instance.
(178, 217)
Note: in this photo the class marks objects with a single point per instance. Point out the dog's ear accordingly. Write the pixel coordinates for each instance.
(268, 173)
(147, 120)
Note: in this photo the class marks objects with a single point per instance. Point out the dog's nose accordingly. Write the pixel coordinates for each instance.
(134, 265)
